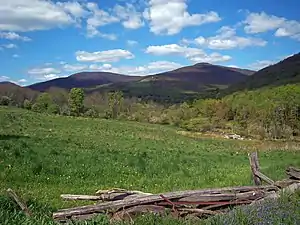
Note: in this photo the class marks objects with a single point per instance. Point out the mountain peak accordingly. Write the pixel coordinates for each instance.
(203, 64)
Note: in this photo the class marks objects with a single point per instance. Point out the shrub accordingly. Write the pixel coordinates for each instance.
(53, 109)
(27, 104)
(91, 113)
(5, 100)
(76, 98)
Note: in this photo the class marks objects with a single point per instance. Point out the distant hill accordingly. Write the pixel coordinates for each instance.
(284, 72)
(17, 93)
(190, 82)
(83, 80)
(204, 74)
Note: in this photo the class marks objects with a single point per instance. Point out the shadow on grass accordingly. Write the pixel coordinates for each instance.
(4, 137)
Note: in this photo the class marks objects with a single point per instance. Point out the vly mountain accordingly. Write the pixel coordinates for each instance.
(190, 82)
(199, 74)
(83, 80)
(284, 72)
(186, 83)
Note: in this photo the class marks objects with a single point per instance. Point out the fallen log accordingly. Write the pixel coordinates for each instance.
(137, 210)
(103, 197)
(275, 195)
(19, 201)
(80, 197)
(199, 211)
(294, 173)
(115, 205)
(264, 177)
(252, 195)
(284, 183)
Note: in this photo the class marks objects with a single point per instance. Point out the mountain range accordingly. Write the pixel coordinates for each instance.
(189, 82)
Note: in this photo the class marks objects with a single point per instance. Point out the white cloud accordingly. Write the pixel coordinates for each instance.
(132, 42)
(21, 15)
(111, 37)
(211, 58)
(10, 46)
(99, 18)
(262, 22)
(193, 54)
(103, 56)
(43, 71)
(163, 65)
(171, 16)
(49, 77)
(4, 78)
(227, 39)
(148, 69)
(13, 36)
(22, 81)
(74, 8)
(261, 64)
(16, 56)
(131, 18)
(73, 68)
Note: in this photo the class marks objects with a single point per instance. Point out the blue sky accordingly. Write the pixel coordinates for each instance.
(44, 39)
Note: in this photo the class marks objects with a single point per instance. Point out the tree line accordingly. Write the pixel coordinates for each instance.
(270, 113)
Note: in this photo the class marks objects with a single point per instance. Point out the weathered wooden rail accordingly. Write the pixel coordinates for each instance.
(121, 204)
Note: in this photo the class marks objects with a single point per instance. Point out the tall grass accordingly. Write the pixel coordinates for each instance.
(43, 156)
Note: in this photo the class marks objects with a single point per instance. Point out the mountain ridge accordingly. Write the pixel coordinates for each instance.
(210, 74)
(286, 71)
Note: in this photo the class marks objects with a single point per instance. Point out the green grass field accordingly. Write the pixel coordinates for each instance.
(44, 156)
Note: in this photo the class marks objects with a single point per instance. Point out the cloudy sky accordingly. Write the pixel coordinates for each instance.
(44, 39)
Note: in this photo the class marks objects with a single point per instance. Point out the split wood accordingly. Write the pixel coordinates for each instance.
(121, 204)
(19, 201)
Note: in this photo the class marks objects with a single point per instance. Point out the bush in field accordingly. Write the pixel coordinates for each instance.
(27, 104)
(115, 102)
(42, 103)
(65, 110)
(76, 98)
(53, 109)
(91, 113)
(5, 100)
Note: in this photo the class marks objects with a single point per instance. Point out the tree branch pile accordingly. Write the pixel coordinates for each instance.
(121, 204)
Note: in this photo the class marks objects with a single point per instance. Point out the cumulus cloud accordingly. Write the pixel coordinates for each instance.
(148, 69)
(171, 16)
(20, 15)
(44, 73)
(227, 39)
(10, 46)
(260, 64)
(132, 42)
(74, 67)
(22, 81)
(131, 18)
(4, 78)
(13, 36)
(99, 18)
(193, 54)
(262, 22)
(74, 8)
(44, 70)
(103, 56)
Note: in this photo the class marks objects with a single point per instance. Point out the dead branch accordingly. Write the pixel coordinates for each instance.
(294, 173)
(115, 205)
(253, 158)
(19, 201)
(80, 197)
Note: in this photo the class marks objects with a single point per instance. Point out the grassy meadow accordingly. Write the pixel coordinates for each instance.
(44, 156)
